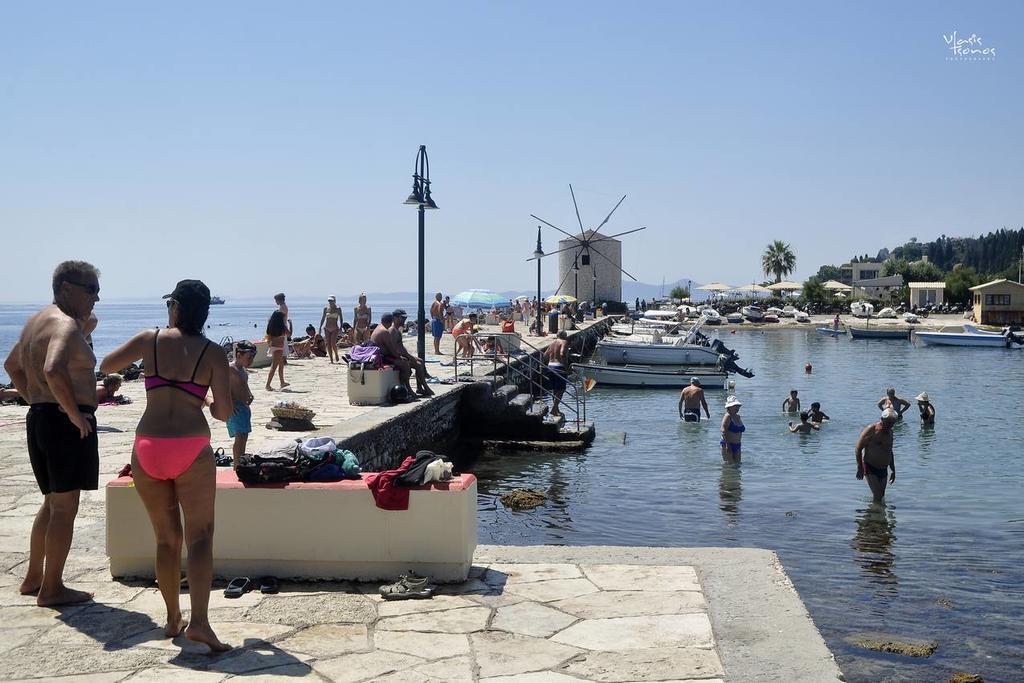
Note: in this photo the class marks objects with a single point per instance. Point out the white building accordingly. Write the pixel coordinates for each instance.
(924, 293)
(590, 276)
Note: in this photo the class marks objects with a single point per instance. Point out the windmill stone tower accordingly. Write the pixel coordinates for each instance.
(586, 275)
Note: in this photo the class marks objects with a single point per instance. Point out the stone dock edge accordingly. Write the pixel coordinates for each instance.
(761, 627)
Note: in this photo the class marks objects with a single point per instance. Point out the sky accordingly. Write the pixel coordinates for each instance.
(265, 146)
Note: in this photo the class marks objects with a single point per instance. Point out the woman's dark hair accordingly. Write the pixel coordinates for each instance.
(192, 315)
(310, 328)
(276, 326)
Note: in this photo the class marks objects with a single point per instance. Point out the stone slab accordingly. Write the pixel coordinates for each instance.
(607, 604)
(634, 633)
(505, 654)
(531, 619)
(645, 665)
(625, 577)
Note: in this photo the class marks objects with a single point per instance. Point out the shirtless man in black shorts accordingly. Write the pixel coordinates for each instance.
(874, 454)
(55, 370)
(556, 356)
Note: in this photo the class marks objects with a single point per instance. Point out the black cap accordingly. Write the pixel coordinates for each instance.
(190, 291)
(399, 313)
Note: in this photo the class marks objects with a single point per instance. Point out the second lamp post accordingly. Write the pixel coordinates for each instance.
(420, 198)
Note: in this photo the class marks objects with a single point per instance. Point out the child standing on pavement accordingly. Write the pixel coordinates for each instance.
(240, 422)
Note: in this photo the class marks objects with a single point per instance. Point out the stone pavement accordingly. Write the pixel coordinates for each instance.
(509, 622)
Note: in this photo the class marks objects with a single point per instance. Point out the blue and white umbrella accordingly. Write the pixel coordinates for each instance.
(479, 298)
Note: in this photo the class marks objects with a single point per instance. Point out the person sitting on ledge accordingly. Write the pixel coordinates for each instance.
(389, 351)
(416, 364)
(107, 389)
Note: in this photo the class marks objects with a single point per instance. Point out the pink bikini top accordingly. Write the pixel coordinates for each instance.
(155, 380)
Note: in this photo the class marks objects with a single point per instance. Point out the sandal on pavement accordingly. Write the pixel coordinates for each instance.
(408, 588)
(238, 587)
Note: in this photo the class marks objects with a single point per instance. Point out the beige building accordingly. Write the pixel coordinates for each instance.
(924, 293)
(1000, 302)
(866, 270)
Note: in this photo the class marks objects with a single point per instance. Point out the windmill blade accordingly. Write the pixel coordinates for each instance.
(583, 233)
(552, 253)
(608, 237)
(595, 251)
(610, 214)
(554, 226)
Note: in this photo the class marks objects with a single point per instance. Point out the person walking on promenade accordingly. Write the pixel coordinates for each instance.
(361, 320)
(732, 431)
(172, 462)
(54, 370)
(874, 454)
(330, 325)
(437, 322)
(925, 407)
(277, 342)
(891, 400)
(691, 400)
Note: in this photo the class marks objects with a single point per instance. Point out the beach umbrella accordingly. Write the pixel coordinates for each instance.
(559, 299)
(785, 286)
(478, 298)
(752, 288)
(522, 297)
(715, 287)
(837, 286)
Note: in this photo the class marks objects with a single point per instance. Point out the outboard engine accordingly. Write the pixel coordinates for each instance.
(722, 350)
(727, 364)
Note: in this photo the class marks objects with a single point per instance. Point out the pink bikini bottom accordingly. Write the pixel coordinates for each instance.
(166, 458)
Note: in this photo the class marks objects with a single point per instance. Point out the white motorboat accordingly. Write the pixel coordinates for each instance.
(711, 316)
(789, 311)
(886, 312)
(734, 317)
(802, 317)
(619, 352)
(963, 335)
(651, 376)
(861, 309)
(910, 318)
(752, 313)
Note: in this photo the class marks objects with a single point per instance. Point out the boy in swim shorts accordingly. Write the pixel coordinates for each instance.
(240, 422)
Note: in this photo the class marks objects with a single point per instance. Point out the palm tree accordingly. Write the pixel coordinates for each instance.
(778, 260)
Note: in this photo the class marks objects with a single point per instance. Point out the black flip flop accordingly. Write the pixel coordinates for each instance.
(268, 584)
(238, 587)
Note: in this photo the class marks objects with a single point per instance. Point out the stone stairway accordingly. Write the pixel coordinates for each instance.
(497, 411)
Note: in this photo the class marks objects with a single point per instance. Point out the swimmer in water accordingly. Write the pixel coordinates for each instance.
(874, 454)
(804, 427)
(792, 403)
(926, 409)
(816, 415)
(732, 431)
(894, 402)
(691, 400)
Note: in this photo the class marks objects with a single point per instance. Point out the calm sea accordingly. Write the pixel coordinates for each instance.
(942, 559)
(118, 321)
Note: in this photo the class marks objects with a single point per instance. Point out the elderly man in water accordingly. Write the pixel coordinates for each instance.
(874, 454)
(691, 400)
(894, 402)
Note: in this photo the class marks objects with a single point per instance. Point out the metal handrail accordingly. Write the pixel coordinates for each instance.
(534, 372)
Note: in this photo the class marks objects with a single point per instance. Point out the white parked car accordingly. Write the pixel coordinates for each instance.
(789, 311)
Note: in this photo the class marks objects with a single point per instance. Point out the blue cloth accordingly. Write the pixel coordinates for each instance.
(437, 328)
(240, 421)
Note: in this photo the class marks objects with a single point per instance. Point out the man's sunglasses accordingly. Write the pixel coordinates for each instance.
(90, 289)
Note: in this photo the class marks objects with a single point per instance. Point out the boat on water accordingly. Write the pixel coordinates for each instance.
(617, 351)
(861, 309)
(214, 300)
(652, 376)
(830, 331)
(877, 333)
(752, 313)
(965, 335)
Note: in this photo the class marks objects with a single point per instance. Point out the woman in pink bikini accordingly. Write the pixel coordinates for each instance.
(172, 462)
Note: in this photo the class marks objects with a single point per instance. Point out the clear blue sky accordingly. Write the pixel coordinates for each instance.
(268, 146)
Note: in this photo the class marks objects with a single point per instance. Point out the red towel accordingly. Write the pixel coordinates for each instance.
(385, 493)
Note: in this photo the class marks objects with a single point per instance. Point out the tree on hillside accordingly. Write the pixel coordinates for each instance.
(826, 273)
(959, 282)
(679, 293)
(778, 260)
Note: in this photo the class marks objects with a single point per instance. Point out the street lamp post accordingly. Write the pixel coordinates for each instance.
(538, 254)
(420, 198)
(576, 276)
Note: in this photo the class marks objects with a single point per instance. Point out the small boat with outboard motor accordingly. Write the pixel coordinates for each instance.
(653, 376)
(969, 335)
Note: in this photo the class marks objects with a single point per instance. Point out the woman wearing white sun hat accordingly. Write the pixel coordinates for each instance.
(926, 409)
(732, 431)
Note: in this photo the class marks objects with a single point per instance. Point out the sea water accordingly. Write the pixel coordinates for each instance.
(120, 320)
(942, 558)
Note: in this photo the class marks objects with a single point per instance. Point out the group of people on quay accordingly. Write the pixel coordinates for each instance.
(873, 451)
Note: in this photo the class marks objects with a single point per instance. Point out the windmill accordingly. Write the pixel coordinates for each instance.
(583, 245)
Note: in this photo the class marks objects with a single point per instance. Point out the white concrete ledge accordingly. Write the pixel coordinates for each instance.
(328, 530)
